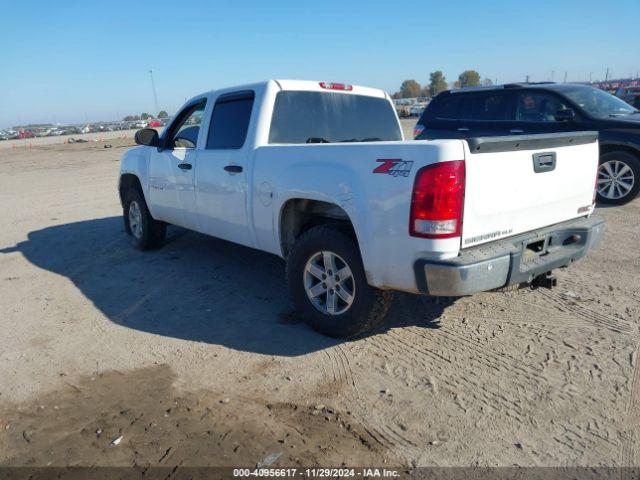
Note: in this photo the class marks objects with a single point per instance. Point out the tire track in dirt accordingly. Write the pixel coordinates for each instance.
(506, 361)
(580, 441)
(582, 312)
(484, 357)
(340, 379)
(475, 363)
(405, 359)
(334, 372)
(395, 349)
(346, 367)
(629, 454)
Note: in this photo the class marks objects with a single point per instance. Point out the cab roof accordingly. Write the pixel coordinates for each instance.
(300, 85)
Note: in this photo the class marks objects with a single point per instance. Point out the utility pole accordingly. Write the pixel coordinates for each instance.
(553, 72)
(606, 77)
(527, 79)
(565, 77)
(155, 95)
(590, 77)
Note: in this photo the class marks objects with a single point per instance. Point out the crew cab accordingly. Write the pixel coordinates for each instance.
(319, 174)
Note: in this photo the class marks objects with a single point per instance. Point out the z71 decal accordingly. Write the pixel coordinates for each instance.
(394, 166)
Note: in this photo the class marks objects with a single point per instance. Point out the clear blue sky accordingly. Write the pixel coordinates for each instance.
(71, 61)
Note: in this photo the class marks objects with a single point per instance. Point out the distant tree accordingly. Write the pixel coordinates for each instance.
(163, 114)
(456, 84)
(437, 83)
(424, 92)
(128, 118)
(396, 95)
(144, 116)
(469, 78)
(487, 82)
(410, 89)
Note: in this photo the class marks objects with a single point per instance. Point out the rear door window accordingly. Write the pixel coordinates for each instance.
(230, 121)
(322, 117)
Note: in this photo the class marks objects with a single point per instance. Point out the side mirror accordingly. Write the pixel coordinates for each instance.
(565, 115)
(148, 137)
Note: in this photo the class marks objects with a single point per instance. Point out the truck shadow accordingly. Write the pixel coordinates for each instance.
(195, 288)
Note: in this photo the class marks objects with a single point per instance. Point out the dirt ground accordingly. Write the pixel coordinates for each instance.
(190, 355)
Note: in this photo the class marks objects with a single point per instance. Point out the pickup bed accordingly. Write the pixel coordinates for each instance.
(319, 174)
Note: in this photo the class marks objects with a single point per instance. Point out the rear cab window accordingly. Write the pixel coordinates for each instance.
(327, 117)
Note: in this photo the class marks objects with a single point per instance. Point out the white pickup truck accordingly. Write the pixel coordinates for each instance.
(319, 174)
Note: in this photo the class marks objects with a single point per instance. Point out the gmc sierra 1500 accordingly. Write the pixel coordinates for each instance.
(319, 174)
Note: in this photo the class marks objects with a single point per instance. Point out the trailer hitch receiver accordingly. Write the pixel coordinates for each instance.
(546, 280)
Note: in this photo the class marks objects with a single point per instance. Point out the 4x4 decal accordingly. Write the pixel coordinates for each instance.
(394, 166)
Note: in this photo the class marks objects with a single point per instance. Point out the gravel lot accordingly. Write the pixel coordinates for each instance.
(191, 354)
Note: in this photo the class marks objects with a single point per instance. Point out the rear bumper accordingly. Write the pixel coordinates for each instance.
(509, 261)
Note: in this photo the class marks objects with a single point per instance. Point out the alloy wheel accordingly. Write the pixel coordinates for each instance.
(615, 179)
(135, 219)
(329, 283)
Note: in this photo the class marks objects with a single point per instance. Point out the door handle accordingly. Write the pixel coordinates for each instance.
(544, 162)
(516, 130)
(184, 166)
(233, 168)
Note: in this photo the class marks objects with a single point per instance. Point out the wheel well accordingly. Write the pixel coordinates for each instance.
(604, 149)
(299, 215)
(127, 181)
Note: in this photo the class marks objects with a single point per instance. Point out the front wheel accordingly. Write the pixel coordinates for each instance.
(328, 285)
(618, 178)
(146, 233)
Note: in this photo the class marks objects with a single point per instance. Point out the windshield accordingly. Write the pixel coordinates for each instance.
(597, 103)
(328, 117)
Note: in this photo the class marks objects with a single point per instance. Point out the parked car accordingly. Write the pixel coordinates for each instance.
(630, 94)
(416, 110)
(525, 109)
(319, 174)
(26, 134)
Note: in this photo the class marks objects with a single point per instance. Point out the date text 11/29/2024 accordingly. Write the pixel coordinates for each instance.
(316, 472)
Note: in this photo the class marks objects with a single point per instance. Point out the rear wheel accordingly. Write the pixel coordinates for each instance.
(328, 285)
(146, 233)
(618, 178)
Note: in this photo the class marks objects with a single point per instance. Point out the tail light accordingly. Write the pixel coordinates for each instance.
(336, 86)
(417, 130)
(437, 200)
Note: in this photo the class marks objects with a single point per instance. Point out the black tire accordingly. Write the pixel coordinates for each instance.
(369, 305)
(633, 163)
(152, 232)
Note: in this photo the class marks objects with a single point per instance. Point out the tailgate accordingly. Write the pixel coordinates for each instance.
(520, 183)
